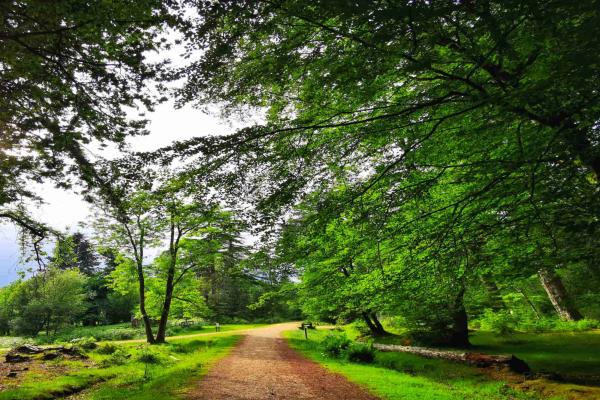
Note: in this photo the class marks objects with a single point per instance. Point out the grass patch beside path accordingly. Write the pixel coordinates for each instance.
(131, 371)
(118, 332)
(570, 354)
(409, 377)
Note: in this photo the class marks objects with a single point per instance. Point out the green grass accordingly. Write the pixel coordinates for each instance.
(571, 354)
(405, 376)
(178, 363)
(118, 332)
(10, 341)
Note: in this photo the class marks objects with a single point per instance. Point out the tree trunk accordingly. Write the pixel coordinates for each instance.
(368, 321)
(142, 291)
(164, 316)
(374, 325)
(459, 335)
(380, 329)
(558, 295)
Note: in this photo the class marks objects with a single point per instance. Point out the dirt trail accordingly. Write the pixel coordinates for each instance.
(263, 366)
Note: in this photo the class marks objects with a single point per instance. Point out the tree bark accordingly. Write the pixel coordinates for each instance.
(459, 334)
(380, 329)
(373, 323)
(161, 334)
(558, 295)
(164, 316)
(368, 321)
(142, 291)
(138, 251)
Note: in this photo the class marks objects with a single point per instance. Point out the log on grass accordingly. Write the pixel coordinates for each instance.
(478, 359)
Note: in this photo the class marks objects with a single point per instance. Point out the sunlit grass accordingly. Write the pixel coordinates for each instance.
(570, 354)
(405, 376)
(177, 364)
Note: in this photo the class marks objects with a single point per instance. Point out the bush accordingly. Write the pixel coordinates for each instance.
(501, 322)
(335, 344)
(556, 325)
(107, 348)
(118, 334)
(118, 357)
(587, 324)
(360, 353)
(190, 347)
(362, 328)
(147, 357)
(87, 343)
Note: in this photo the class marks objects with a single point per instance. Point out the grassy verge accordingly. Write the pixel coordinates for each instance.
(117, 332)
(405, 376)
(132, 371)
(571, 354)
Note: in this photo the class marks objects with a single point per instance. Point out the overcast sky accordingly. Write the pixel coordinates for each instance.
(64, 210)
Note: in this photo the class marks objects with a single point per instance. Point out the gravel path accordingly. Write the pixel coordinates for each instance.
(263, 366)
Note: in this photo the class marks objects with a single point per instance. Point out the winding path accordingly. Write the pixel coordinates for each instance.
(263, 366)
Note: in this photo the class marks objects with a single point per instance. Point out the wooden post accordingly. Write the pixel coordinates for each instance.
(305, 332)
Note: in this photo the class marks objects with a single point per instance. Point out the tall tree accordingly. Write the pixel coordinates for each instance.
(69, 72)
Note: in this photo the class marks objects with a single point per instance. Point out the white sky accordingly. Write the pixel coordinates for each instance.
(64, 210)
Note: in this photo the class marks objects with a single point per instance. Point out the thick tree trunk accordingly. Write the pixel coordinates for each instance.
(380, 329)
(558, 295)
(459, 335)
(369, 323)
(373, 323)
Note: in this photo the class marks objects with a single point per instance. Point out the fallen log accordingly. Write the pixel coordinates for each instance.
(28, 349)
(478, 359)
(22, 353)
(16, 358)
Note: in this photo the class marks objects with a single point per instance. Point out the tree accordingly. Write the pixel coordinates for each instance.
(70, 71)
(144, 209)
(48, 301)
(471, 124)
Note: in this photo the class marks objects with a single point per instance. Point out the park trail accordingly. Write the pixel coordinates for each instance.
(263, 366)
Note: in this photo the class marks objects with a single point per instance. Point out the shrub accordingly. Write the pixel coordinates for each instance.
(362, 328)
(118, 357)
(147, 357)
(119, 334)
(587, 324)
(107, 348)
(360, 353)
(335, 344)
(501, 322)
(87, 343)
(556, 325)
